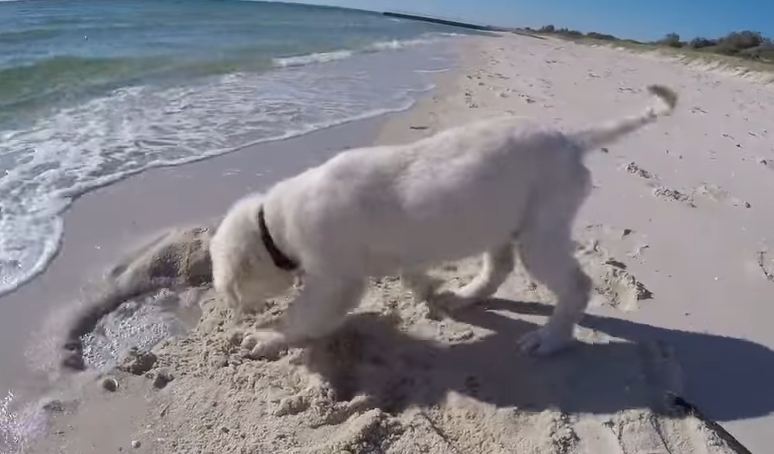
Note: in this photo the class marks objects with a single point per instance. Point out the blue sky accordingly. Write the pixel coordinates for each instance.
(639, 19)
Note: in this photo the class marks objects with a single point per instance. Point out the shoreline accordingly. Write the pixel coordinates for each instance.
(463, 386)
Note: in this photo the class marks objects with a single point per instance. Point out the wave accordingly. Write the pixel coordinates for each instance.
(400, 44)
(11, 436)
(22, 36)
(39, 85)
(45, 83)
(18, 423)
(319, 57)
(53, 73)
(432, 71)
(378, 46)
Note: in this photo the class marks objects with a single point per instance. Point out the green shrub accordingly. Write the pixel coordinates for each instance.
(699, 43)
(604, 36)
(568, 32)
(741, 40)
(671, 40)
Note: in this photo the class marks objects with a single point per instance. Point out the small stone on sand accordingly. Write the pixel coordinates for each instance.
(110, 384)
(163, 376)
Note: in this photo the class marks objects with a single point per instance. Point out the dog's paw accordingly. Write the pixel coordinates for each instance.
(545, 341)
(268, 345)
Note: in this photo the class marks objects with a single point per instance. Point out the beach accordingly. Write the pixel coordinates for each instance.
(675, 236)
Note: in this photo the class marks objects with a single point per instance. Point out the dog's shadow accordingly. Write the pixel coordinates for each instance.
(728, 378)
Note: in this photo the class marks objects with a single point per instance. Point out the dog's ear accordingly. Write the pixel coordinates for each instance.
(248, 204)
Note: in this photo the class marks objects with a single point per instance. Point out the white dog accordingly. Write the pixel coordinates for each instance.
(402, 209)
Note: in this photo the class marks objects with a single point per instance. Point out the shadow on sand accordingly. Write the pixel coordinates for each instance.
(729, 378)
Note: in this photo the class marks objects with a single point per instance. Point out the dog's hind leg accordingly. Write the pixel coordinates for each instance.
(318, 311)
(546, 252)
(497, 264)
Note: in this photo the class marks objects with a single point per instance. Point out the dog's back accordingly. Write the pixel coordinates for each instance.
(448, 195)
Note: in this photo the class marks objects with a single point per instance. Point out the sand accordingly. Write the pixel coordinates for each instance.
(674, 235)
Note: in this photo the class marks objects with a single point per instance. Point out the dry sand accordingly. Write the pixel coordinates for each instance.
(675, 236)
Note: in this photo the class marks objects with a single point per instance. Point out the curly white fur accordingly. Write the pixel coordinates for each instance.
(401, 209)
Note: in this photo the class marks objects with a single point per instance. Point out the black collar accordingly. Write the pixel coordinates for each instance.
(281, 260)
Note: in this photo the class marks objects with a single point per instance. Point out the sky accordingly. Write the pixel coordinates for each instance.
(637, 19)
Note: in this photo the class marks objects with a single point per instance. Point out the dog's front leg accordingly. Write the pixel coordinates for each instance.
(318, 310)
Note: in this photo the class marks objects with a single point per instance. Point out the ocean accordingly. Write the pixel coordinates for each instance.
(93, 91)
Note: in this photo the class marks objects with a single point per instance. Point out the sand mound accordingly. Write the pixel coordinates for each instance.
(127, 304)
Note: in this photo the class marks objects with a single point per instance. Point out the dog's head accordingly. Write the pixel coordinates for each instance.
(243, 272)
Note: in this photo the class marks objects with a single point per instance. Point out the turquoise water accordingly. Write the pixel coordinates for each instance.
(93, 91)
(66, 50)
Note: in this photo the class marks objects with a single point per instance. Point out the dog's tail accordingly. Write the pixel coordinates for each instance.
(593, 138)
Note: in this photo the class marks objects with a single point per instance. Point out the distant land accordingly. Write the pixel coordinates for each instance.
(744, 44)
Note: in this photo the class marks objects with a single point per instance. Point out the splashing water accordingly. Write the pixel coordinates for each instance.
(10, 430)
